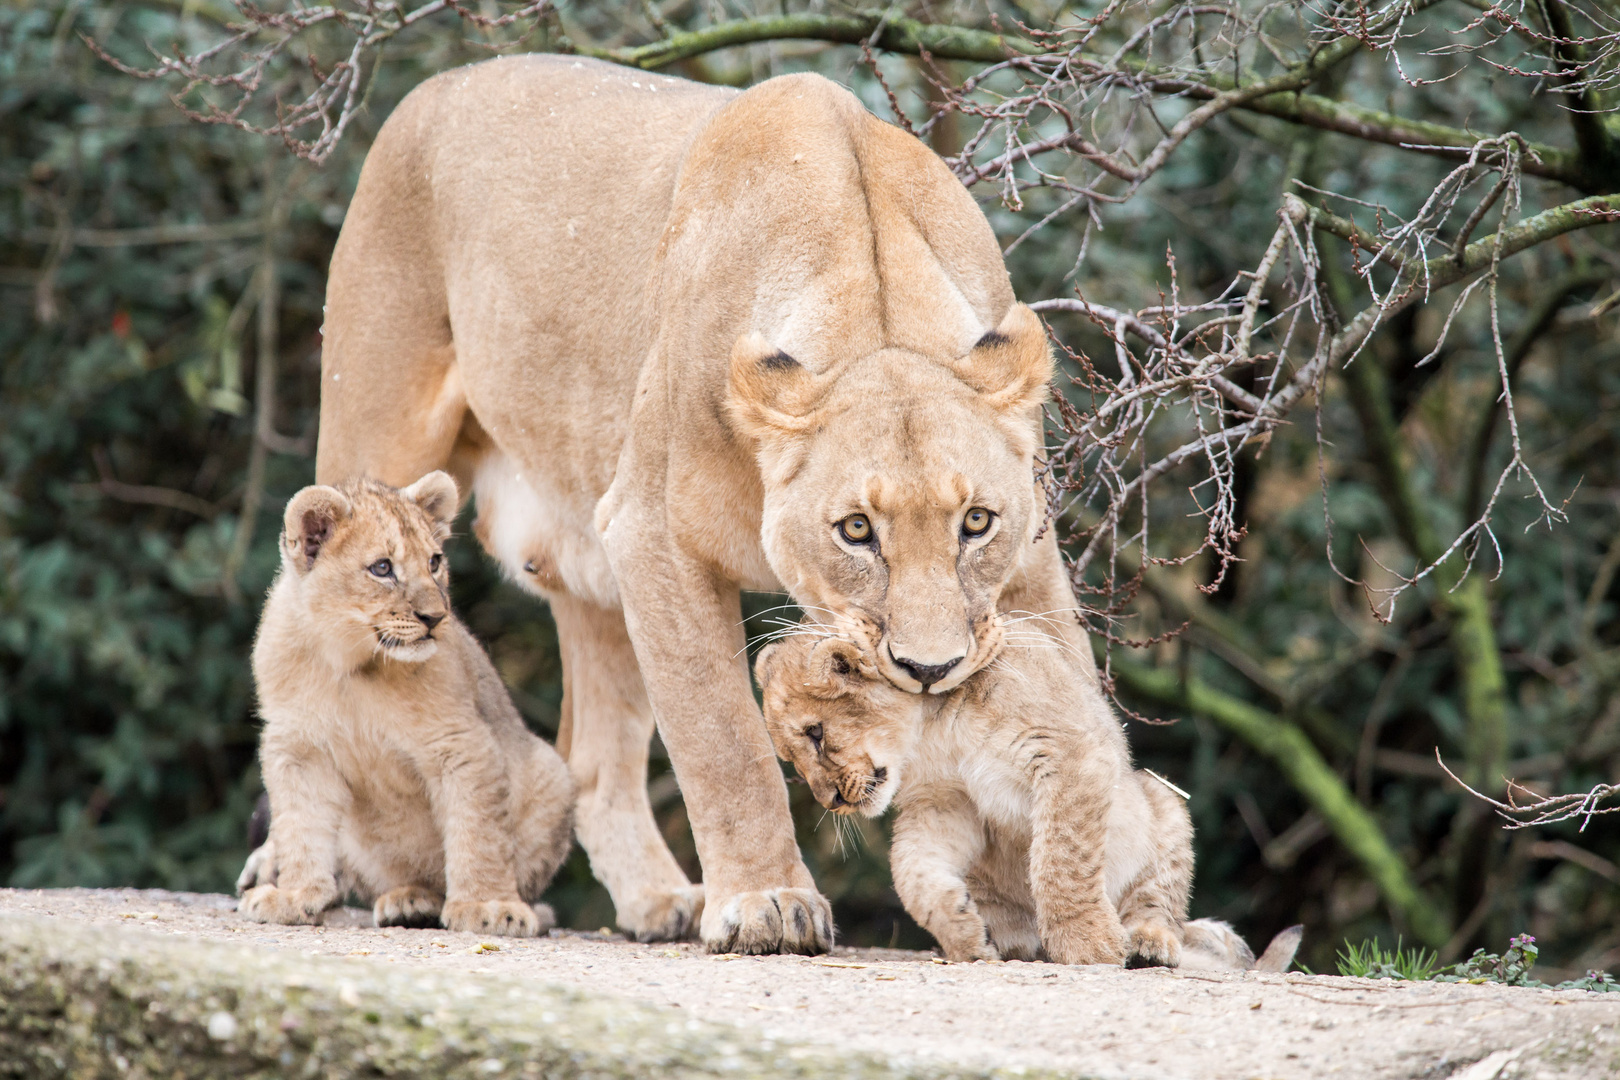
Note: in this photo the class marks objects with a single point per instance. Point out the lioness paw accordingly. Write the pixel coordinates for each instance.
(777, 920)
(289, 907)
(511, 918)
(408, 905)
(664, 916)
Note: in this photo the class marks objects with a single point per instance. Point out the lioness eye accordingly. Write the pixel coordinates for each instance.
(382, 568)
(977, 521)
(813, 733)
(434, 562)
(856, 529)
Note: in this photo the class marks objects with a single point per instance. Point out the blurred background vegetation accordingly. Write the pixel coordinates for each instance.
(161, 287)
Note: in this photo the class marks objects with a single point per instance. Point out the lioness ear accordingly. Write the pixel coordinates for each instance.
(834, 665)
(770, 393)
(436, 494)
(1012, 364)
(311, 517)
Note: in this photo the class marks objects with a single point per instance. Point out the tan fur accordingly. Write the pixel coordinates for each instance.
(1023, 830)
(671, 334)
(396, 765)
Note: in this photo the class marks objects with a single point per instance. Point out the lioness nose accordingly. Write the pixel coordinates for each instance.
(429, 621)
(927, 674)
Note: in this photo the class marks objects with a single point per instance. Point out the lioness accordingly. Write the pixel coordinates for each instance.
(1023, 831)
(683, 341)
(396, 765)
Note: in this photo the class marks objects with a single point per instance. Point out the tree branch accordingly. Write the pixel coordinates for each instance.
(1279, 97)
(893, 33)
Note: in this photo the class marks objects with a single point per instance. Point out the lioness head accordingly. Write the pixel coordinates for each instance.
(369, 563)
(846, 730)
(899, 491)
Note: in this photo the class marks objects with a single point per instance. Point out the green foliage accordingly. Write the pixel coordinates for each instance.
(1369, 961)
(1511, 968)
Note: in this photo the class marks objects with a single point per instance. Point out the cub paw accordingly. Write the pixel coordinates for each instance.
(1099, 938)
(260, 868)
(776, 920)
(963, 949)
(510, 918)
(289, 907)
(408, 905)
(1153, 945)
(664, 916)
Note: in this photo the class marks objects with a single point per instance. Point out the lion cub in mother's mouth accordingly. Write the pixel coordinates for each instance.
(396, 764)
(1023, 830)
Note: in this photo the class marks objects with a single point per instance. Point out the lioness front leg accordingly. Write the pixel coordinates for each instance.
(470, 796)
(935, 841)
(307, 803)
(1067, 853)
(687, 630)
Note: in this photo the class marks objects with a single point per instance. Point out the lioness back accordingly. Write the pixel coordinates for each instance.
(396, 765)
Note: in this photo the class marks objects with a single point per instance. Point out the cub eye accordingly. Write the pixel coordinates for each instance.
(382, 568)
(976, 521)
(434, 563)
(856, 529)
(813, 733)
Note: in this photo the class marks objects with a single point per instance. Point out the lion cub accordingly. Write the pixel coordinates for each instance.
(1023, 830)
(396, 764)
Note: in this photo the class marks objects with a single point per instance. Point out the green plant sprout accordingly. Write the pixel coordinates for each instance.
(1512, 968)
(1369, 961)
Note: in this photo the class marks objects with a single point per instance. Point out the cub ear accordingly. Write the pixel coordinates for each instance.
(763, 664)
(312, 516)
(436, 494)
(834, 666)
(770, 394)
(1012, 364)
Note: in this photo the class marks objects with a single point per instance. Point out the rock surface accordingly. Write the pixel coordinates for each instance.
(142, 984)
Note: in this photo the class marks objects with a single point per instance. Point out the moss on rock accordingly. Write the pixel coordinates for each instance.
(87, 1001)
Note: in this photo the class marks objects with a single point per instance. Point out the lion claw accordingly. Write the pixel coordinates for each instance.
(772, 921)
(509, 918)
(671, 915)
(289, 907)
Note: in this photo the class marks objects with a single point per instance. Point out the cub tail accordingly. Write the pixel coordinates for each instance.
(1280, 953)
(1213, 945)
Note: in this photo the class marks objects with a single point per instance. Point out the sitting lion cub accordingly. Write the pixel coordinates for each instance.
(1023, 830)
(396, 765)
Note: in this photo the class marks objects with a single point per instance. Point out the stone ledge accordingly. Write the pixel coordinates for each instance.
(126, 983)
(78, 1000)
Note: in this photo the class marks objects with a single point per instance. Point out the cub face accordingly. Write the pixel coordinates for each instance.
(899, 491)
(368, 563)
(846, 730)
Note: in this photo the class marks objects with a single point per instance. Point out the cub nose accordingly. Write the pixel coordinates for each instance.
(429, 621)
(839, 800)
(927, 674)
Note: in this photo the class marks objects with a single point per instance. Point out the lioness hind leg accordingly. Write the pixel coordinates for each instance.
(408, 905)
(609, 728)
(391, 397)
